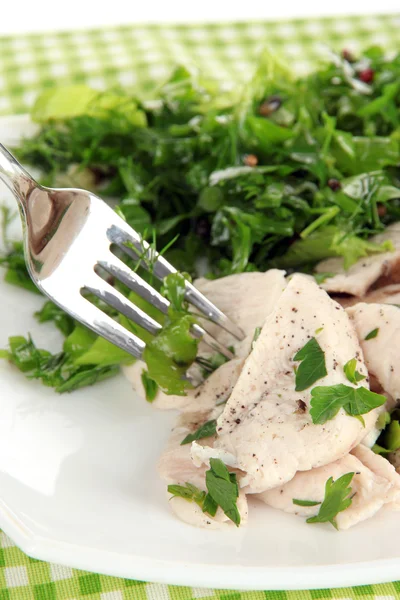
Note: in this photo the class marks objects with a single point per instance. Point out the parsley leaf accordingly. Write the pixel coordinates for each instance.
(337, 498)
(189, 492)
(305, 502)
(223, 489)
(206, 430)
(321, 277)
(350, 371)
(256, 335)
(326, 401)
(312, 367)
(150, 386)
(372, 334)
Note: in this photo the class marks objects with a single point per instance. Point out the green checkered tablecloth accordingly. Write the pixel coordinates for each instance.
(25, 578)
(137, 58)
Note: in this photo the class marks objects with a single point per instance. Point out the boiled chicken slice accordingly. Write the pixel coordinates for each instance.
(381, 468)
(176, 467)
(372, 485)
(389, 294)
(378, 269)
(382, 352)
(266, 429)
(247, 299)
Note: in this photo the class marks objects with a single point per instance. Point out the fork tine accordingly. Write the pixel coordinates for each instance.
(114, 298)
(132, 280)
(96, 320)
(161, 268)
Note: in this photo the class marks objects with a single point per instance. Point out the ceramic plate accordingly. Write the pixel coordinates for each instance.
(78, 486)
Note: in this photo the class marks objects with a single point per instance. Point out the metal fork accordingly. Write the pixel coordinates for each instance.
(68, 234)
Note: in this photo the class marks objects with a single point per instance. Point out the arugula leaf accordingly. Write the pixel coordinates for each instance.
(305, 502)
(206, 430)
(312, 366)
(337, 499)
(350, 371)
(150, 386)
(223, 489)
(372, 334)
(326, 401)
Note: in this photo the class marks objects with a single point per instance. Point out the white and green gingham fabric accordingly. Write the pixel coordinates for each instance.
(137, 58)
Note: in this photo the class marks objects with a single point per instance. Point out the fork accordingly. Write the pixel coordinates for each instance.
(68, 234)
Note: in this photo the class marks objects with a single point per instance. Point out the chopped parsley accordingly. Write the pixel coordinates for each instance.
(326, 401)
(150, 386)
(312, 366)
(372, 334)
(350, 371)
(337, 499)
(222, 491)
(208, 429)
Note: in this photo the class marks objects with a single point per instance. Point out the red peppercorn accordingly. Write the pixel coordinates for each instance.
(347, 55)
(334, 184)
(367, 75)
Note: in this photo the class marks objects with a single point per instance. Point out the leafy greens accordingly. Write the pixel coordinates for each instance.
(285, 173)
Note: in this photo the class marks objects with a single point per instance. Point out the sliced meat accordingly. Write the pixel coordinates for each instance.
(382, 468)
(266, 428)
(390, 294)
(378, 269)
(372, 490)
(370, 438)
(382, 352)
(176, 467)
(216, 389)
(247, 299)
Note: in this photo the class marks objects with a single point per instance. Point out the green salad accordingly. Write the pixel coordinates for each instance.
(281, 173)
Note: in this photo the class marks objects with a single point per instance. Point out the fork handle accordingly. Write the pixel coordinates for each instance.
(15, 177)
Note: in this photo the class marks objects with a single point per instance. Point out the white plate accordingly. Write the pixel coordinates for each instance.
(78, 486)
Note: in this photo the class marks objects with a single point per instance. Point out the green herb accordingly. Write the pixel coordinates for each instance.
(305, 502)
(176, 168)
(372, 334)
(189, 492)
(350, 371)
(150, 386)
(337, 499)
(223, 489)
(326, 401)
(211, 363)
(319, 330)
(51, 312)
(54, 370)
(312, 366)
(206, 430)
(256, 335)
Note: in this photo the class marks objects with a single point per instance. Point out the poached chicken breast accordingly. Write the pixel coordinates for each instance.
(266, 430)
